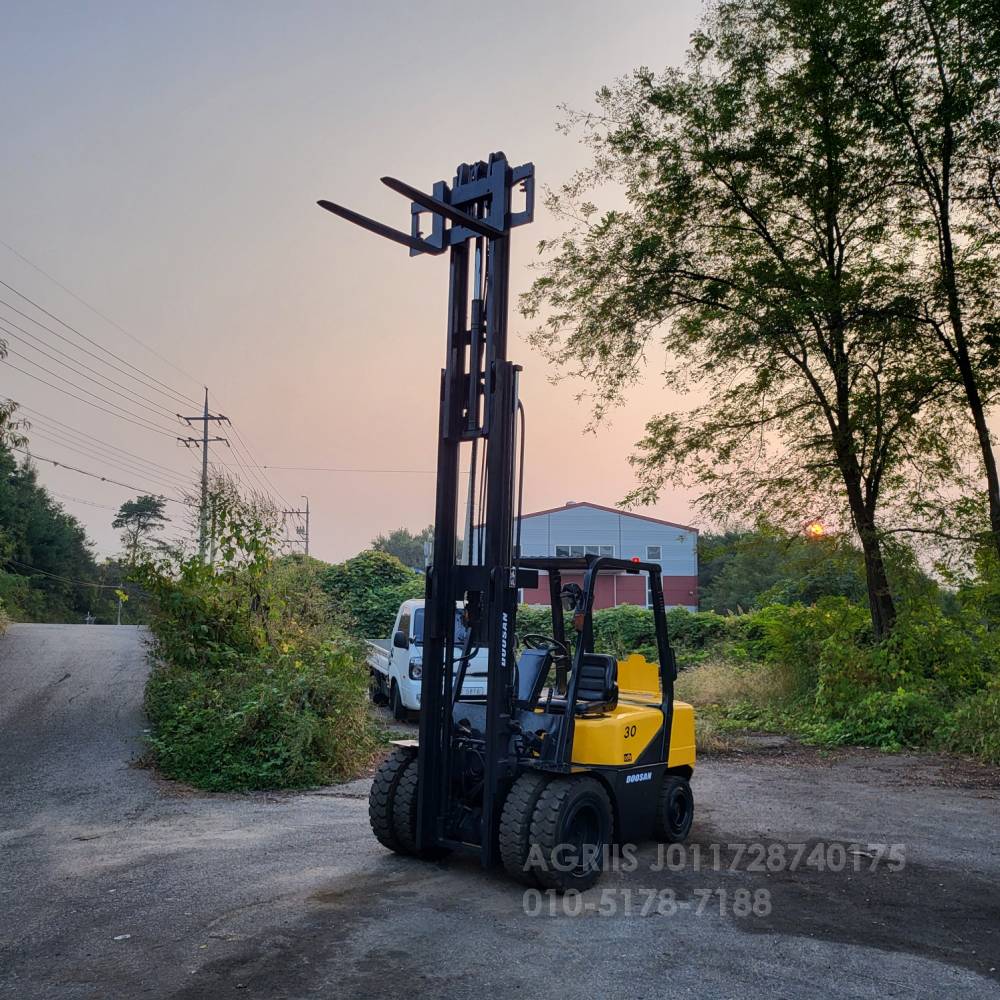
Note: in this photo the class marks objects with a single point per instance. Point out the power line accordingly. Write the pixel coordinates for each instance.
(110, 460)
(73, 432)
(104, 479)
(111, 384)
(63, 579)
(394, 472)
(89, 340)
(132, 418)
(107, 319)
(89, 503)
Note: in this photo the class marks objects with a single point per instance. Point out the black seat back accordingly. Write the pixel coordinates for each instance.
(532, 669)
(597, 687)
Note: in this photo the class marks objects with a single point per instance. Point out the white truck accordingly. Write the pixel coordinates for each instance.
(396, 663)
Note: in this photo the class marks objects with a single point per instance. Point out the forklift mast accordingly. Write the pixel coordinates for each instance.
(471, 218)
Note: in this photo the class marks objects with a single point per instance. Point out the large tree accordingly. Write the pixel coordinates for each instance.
(758, 256)
(139, 520)
(927, 75)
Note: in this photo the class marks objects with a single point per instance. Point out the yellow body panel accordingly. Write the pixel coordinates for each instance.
(620, 737)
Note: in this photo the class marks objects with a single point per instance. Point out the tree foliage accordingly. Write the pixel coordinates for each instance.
(369, 588)
(407, 547)
(926, 74)
(139, 520)
(741, 571)
(761, 256)
(49, 572)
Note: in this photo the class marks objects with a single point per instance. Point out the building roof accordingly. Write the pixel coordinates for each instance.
(610, 510)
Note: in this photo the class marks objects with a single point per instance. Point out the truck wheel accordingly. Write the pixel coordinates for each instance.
(675, 810)
(404, 816)
(382, 797)
(399, 712)
(376, 689)
(515, 825)
(569, 832)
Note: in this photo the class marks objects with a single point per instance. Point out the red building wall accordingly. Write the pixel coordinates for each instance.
(625, 589)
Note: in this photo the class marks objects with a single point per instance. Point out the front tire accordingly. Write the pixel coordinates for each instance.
(570, 829)
(396, 704)
(675, 811)
(404, 815)
(515, 825)
(382, 797)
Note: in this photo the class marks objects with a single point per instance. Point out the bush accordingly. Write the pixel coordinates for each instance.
(894, 719)
(974, 727)
(297, 721)
(4, 618)
(368, 590)
(253, 685)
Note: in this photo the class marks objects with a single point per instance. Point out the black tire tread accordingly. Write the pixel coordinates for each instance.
(515, 825)
(382, 797)
(404, 816)
(662, 830)
(545, 823)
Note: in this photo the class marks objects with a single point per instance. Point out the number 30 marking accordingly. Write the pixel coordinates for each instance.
(629, 732)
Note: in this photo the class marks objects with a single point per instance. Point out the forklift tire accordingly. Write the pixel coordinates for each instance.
(570, 831)
(404, 816)
(676, 810)
(399, 712)
(515, 825)
(382, 797)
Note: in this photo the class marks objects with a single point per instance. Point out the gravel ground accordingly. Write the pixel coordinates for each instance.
(117, 884)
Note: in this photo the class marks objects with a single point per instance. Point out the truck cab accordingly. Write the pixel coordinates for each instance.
(396, 664)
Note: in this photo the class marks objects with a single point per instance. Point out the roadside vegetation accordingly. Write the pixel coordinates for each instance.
(805, 242)
(255, 684)
(48, 571)
(816, 670)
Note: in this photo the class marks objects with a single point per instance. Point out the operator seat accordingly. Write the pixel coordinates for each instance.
(597, 688)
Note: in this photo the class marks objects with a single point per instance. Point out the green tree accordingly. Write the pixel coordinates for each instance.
(759, 229)
(369, 588)
(49, 572)
(927, 74)
(407, 547)
(746, 570)
(139, 520)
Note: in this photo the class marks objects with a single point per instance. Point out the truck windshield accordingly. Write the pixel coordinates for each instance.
(418, 627)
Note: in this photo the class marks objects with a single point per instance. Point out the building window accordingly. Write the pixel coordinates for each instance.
(577, 551)
(654, 553)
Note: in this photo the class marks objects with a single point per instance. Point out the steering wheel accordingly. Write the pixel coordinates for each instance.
(535, 640)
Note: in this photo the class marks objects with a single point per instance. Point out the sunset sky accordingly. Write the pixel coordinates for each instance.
(162, 162)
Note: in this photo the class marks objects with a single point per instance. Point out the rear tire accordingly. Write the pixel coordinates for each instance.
(396, 704)
(675, 811)
(376, 689)
(404, 816)
(570, 830)
(515, 825)
(382, 797)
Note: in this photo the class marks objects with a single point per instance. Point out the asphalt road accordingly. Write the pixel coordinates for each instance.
(117, 884)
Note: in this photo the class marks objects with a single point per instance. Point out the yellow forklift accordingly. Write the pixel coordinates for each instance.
(569, 751)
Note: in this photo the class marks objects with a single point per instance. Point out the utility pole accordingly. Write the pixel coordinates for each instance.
(204, 442)
(303, 533)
